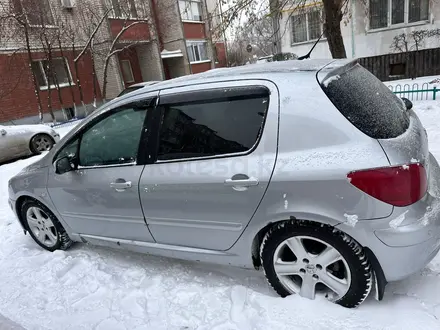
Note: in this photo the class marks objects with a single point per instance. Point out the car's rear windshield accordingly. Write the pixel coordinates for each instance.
(367, 103)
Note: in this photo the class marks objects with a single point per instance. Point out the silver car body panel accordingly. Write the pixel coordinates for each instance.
(15, 140)
(306, 170)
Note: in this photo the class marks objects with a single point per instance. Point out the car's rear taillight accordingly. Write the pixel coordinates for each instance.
(398, 186)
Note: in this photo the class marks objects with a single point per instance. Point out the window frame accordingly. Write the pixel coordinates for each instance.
(131, 71)
(389, 16)
(184, 19)
(319, 9)
(208, 95)
(117, 12)
(197, 43)
(144, 142)
(50, 13)
(43, 72)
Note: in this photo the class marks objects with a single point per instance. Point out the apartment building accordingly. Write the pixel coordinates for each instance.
(368, 30)
(121, 42)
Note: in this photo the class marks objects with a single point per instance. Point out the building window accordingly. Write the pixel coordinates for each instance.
(384, 13)
(46, 75)
(418, 10)
(37, 12)
(123, 8)
(197, 51)
(127, 72)
(190, 10)
(306, 26)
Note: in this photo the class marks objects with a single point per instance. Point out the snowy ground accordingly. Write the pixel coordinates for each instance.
(94, 288)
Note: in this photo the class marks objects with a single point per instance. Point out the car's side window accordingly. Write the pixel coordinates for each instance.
(113, 140)
(211, 127)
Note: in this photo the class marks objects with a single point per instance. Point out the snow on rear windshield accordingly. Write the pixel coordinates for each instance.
(367, 103)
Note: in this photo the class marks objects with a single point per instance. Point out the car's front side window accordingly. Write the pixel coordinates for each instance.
(70, 150)
(113, 140)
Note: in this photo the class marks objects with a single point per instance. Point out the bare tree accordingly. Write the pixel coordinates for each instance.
(335, 12)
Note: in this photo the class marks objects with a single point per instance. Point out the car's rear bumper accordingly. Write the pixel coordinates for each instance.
(405, 242)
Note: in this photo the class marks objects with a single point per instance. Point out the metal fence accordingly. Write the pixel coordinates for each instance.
(415, 92)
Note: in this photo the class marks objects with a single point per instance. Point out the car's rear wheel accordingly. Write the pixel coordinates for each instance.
(311, 259)
(40, 143)
(44, 227)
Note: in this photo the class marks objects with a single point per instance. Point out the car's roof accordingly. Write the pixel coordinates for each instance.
(275, 71)
(264, 70)
(144, 83)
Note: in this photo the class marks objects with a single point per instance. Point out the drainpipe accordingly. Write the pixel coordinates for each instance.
(353, 44)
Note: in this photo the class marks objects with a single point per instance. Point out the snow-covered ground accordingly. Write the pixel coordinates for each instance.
(93, 288)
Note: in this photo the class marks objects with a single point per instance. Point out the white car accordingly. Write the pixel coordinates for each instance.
(24, 140)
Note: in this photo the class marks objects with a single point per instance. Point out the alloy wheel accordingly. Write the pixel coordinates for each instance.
(306, 265)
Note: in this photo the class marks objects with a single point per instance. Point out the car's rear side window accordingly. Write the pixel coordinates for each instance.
(367, 103)
(211, 127)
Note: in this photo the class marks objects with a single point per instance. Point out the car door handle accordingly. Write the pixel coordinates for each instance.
(120, 186)
(242, 183)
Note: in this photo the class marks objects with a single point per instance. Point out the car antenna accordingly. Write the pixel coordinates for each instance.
(311, 50)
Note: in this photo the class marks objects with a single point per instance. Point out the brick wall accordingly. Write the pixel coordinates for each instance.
(194, 30)
(200, 67)
(138, 31)
(17, 96)
(221, 54)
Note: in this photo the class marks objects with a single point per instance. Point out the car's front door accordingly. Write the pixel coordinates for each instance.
(213, 164)
(101, 197)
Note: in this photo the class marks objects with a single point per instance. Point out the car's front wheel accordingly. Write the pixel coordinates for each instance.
(310, 259)
(44, 227)
(40, 143)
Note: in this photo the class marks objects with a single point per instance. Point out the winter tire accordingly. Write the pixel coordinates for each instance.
(44, 227)
(40, 143)
(309, 259)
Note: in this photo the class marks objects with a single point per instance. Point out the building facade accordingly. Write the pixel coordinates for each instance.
(368, 29)
(81, 52)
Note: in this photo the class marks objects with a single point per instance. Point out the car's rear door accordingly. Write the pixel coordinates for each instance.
(217, 147)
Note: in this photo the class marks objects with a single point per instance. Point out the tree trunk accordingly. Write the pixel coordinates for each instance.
(104, 84)
(332, 27)
(34, 79)
(49, 74)
(78, 81)
(66, 68)
(95, 87)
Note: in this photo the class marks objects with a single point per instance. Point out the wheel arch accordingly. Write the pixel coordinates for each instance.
(257, 241)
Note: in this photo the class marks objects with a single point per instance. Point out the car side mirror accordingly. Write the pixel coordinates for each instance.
(2, 132)
(63, 165)
(408, 103)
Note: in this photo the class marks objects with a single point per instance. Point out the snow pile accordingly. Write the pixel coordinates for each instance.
(331, 79)
(397, 221)
(94, 288)
(352, 219)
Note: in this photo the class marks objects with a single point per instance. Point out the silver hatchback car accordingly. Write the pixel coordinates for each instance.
(310, 170)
